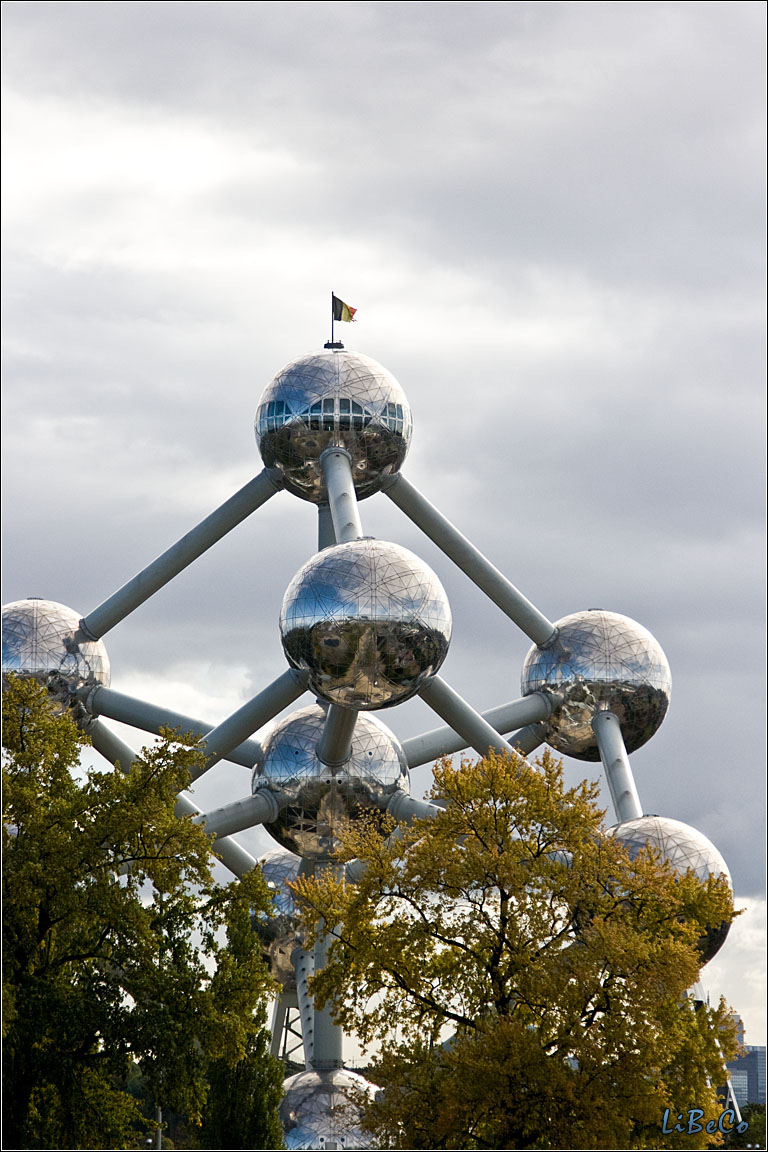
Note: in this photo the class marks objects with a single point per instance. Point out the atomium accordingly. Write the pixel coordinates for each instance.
(319, 1109)
(600, 660)
(333, 399)
(368, 620)
(364, 625)
(323, 800)
(685, 848)
(42, 640)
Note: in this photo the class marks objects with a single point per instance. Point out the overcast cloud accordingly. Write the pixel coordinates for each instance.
(549, 217)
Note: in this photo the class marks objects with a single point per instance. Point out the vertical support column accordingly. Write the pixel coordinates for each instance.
(613, 753)
(303, 967)
(326, 537)
(335, 745)
(279, 1014)
(342, 499)
(328, 1036)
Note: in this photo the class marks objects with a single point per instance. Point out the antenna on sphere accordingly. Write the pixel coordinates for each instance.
(339, 311)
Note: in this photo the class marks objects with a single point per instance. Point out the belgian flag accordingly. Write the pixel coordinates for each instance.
(342, 311)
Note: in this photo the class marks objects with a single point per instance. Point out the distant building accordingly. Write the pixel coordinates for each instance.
(747, 1075)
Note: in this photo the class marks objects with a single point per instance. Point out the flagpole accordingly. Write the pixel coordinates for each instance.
(331, 317)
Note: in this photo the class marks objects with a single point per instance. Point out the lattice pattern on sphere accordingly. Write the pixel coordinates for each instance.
(279, 930)
(369, 620)
(333, 398)
(685, 848)
(324, 800)
(317, 1110)
(600, 660)
(39, 640)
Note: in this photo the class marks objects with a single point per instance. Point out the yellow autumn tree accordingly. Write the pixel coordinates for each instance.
(521, 981)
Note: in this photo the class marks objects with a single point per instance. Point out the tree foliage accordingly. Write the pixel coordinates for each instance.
(118, 943)
(523, 980)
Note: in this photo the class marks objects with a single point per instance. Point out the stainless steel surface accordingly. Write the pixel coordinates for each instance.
(279, 931)
(321, 800)
(333, 399)
(600, 660)
(318, 1110)
(41, 639)
(685, 848)
(368, 620)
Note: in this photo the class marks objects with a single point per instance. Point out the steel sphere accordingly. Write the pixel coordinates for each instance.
(279, 930)
(368, 620)
(324, 800)
(332, 399)
(41, 641)
(685, 848)
(600, 660)
(319, 1110)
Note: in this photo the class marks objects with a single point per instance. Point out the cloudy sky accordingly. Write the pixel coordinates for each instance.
(549, 217)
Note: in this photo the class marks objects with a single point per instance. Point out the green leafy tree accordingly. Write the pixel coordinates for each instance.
(118, 944)
(243, 1100)
(754, 1135)
(523, 981)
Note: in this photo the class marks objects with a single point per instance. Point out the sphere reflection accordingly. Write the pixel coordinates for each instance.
(40, 640)
(279, 930)
(600, 660)
(368, 620)
(322, 801)
(334, 398)
(685, 848)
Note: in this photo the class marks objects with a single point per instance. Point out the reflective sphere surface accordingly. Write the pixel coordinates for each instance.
(685, 848)
(279, 930)
(323, 800)
(600, 660)
(329, 399)
(368, 620)
(318, 1111)
(39, 640)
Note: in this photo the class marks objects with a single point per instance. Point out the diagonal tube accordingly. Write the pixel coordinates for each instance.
(462, 718)
(528, 739)
(618, 773)
(181, 554)
(432, 745)
(336, 464)
(220, 741)
(151, 718)
(470, 560)
(116, 751)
